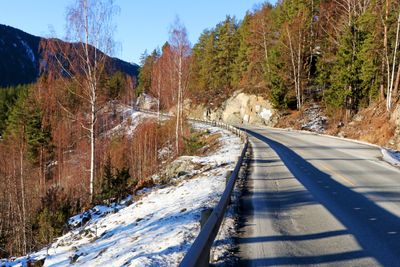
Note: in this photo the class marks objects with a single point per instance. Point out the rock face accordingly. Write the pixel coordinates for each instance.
(178, 169)
(240, 108)
(145, 101)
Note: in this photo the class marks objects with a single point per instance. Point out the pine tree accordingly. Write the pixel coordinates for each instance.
(227, 46)
(106, 191)
(203, 65)
(8, 96)
(147, 62)
(242, 60)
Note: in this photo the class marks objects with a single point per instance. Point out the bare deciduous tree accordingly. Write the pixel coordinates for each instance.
(389, 93)
(180, 57)
(89, 30)
(295, 37)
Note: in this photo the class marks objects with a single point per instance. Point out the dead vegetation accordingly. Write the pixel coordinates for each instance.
(370, 124)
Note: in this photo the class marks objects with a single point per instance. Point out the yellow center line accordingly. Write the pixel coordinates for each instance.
(327, 168)
(305, 155)
(338, 174)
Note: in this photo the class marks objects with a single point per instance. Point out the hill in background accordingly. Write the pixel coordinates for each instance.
(20, 58)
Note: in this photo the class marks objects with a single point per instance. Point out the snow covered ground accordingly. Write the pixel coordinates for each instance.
(391, 156)
(153, 228)
(314, 120)
(131, 120)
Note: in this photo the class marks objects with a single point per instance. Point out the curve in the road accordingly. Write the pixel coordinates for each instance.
(306, 210)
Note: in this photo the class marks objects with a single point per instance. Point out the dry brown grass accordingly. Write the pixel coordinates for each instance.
(373, 124)
(211, 143)
(290, 119)
(373, 127)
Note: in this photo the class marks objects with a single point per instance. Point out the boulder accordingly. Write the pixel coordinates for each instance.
(239, 108)
(145, 101)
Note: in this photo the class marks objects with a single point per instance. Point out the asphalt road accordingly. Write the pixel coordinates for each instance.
(319, 201)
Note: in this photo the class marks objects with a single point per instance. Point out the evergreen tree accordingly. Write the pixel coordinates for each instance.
(115, 182)
(8, 97)
(203, 65)
(115, 86)
(346, 72)
(26, 118)
(147, 62)
(120, 182)
(242, 60)
(226, 46)
(369, 58)
(107, 181)
(355, 76)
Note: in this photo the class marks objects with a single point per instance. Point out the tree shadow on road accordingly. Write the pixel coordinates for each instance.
(376, 230)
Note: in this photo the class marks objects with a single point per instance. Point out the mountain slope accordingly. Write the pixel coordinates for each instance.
(124, 234)
(20, 58)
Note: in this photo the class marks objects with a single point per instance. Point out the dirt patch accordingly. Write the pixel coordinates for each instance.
(211, 143)
(372, 124)
(311, 117)
(289, 119)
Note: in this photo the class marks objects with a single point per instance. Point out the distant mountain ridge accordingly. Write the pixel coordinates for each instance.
(20, 58)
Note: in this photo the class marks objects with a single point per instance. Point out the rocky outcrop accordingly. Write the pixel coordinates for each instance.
(179, 169)
(239, 108)
(145, 101)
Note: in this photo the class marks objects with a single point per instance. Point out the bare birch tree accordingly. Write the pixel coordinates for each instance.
(295, 37)
(180, 56)
(389, 92)
(156, 83)
(89, 30)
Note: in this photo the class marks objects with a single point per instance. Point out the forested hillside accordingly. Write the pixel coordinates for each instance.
(341, 53)
(71, 139)
(22, 58)
(59, 153)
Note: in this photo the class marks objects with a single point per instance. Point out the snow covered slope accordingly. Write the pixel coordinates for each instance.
(391, 156)
(131, 119)
(157, 228)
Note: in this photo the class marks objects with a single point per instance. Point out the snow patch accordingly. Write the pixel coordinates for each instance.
(315, 122)
(28, 51)
(391, 156)
(266, 114)
(131, 120)
(157, 229)
(246, 118)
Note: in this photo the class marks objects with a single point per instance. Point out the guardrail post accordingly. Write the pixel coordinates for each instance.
(227, 177)
(205, 214)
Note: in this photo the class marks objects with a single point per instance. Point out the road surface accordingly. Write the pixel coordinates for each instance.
(319, 201)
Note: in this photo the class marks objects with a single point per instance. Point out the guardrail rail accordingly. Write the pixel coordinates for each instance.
(199, 252)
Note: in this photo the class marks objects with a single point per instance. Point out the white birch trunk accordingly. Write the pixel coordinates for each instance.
(293, 60)
(390, 88)
(21, 167)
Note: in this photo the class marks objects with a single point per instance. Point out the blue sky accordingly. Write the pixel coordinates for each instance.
(141, 24)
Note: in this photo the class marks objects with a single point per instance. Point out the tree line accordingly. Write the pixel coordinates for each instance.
(57, 154)
(56, 158)
(341, 52)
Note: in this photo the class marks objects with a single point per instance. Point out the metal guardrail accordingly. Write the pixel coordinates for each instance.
(199, 252)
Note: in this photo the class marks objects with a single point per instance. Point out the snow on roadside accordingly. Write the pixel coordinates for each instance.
(315, 122)
(131, 120)
(158, 228)
(391, 156)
